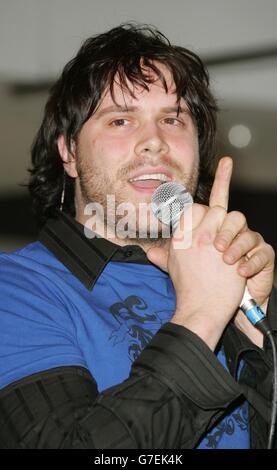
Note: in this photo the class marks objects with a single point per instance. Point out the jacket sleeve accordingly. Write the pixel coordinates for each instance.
(176, 391)
(256, 378)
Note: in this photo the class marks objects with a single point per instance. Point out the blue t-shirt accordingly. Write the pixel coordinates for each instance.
(49, 319)
(232, 432)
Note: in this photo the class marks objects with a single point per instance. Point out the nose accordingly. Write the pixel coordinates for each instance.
(151, 142)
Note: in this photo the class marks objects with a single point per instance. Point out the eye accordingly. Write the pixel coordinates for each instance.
(119, 122)
(172, 121)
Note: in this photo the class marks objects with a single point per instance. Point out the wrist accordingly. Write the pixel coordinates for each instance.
(244, 325)
(207, 328)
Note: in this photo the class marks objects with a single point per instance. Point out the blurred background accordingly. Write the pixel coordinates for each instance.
(236, 39)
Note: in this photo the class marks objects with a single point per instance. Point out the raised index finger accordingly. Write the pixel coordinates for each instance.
(220, 190)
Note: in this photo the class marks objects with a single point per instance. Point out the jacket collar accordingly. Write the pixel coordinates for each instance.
(84, 257)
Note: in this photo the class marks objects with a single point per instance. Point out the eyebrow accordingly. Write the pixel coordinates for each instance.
(119, 109)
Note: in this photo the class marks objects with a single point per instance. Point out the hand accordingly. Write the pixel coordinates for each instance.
(237, 242)
(208, 290)
(257, 266)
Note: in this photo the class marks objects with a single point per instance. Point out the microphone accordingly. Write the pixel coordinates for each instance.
(169, 200)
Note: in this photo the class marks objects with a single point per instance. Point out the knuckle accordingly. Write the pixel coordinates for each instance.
(259, 237)
(239, 216)
(204, 238)
(253, 237)
(219, 210)
(270, 250)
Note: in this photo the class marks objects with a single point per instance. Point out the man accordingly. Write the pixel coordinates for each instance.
(129, 113)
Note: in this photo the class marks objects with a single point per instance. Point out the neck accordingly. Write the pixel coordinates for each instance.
(93, 224)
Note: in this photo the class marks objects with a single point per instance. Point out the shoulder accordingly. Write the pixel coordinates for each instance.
(37, 327)
(34, 292)
(31, 271)
(31, 258)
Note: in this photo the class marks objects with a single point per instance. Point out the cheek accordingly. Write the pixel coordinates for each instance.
(186, 150)
(109, 151)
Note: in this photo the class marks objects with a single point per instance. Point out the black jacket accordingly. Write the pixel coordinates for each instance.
(177, 390)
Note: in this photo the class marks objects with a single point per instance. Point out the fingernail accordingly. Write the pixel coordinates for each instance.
(221, 243)
(230, 258)
(243, 268)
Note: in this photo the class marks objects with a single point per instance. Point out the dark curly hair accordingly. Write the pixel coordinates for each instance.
(123, 50)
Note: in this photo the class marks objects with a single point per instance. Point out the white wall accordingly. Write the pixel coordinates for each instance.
(37, 37)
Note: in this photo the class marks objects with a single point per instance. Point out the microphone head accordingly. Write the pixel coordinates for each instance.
(168, 202)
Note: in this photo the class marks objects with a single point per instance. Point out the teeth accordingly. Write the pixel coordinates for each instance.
(153, 176)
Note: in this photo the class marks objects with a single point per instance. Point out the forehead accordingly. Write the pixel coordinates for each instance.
(135, 94)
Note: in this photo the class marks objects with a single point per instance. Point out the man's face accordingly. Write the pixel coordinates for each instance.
(129, 148)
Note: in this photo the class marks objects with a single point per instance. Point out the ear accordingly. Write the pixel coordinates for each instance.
(68, 157)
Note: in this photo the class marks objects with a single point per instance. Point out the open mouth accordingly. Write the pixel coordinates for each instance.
(149, 181)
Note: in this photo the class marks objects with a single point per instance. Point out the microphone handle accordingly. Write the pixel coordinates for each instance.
(254, 313)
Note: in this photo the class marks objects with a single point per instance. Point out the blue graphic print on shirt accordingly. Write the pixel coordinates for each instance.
(139, 327)
(237, 422)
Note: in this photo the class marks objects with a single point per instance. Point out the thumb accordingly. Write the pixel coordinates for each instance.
(159, 257)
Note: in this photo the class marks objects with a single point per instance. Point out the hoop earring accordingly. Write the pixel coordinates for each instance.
(63, 193)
